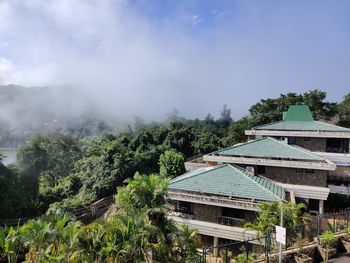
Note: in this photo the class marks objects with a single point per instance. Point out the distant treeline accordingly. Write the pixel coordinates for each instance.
(59, 170)
(25, 112)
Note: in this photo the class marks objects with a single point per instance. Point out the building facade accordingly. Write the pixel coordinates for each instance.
(296, 159)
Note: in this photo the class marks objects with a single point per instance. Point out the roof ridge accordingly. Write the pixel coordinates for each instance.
(303, 150)
(240, 144)
(205, 171)
(270, 123)
(250, 176)
(333, 125)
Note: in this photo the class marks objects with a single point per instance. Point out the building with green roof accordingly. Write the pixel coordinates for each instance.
(268, 151)
(296, 158)
(299, 118)
(227, 181)
(330, 141)
(218, 200)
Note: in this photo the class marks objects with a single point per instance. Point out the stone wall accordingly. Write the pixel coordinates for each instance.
(210, 213)
(206, 213)
(290, 176)
(314, 144)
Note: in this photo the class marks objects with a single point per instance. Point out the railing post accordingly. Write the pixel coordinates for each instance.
(226, 255)
(318, 225)
(267, 246)
(204, 254)
(246, 250)
(334, 224)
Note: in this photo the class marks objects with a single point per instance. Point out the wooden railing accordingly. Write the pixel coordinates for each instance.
(85, 215)
(231, 221)
(183, 214)
(214, 200)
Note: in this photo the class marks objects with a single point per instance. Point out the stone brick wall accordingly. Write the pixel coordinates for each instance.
(210, 213)
(206, 213)
(290, 176)
(314, 144)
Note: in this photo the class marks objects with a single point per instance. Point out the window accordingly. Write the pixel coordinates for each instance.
(307, 139)
(307, 171)
(261, 169)
(291, 140)
(234, 213)
(337, 145)
(184, 206)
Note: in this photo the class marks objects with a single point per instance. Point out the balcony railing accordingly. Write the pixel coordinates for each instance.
(231, 221)
(337, 149)
(182, 213)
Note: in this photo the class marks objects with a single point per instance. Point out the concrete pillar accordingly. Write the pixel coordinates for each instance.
(216, 250)
(292, 197)
(320, 210)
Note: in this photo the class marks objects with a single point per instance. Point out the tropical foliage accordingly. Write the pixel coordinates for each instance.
(171, 163)
(135, 228)
(269, 217)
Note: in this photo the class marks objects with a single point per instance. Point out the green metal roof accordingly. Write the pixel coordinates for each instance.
(301, 126)
(299, 118)
(298, 113)
(269, 148)
(227, 180)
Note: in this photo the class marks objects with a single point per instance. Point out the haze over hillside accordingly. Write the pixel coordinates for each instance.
(147, 57)
(26, 111)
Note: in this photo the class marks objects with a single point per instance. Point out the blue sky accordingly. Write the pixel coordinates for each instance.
(148, 57)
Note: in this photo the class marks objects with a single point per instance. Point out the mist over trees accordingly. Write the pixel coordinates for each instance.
(25, 112)
(57, 170)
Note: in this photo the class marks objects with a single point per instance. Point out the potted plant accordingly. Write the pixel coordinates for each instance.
(346, 241)
(327, 240)
(245, 256)
(301, 257)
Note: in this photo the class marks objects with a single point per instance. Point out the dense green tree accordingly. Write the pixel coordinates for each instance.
(344, 112)
(10, 198)
(171, 164)
(225, 116)
(51, 157)
(270, 110)
(43, 163)
(180, 138)
(205, 142)
(236, 131)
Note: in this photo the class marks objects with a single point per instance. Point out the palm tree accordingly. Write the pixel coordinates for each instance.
(12, 245)
(35, 235)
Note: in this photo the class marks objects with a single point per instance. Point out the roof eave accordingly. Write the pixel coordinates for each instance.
(295, 133)
(327, 165)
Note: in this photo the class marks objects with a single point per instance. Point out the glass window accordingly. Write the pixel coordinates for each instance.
(261, 169)
(232, 212)
(184, 206)
(291, 140)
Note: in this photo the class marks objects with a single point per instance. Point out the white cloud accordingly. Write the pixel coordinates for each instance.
(144, 65)
(7, 69)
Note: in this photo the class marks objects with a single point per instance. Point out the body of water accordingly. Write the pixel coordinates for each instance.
(9, 155)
